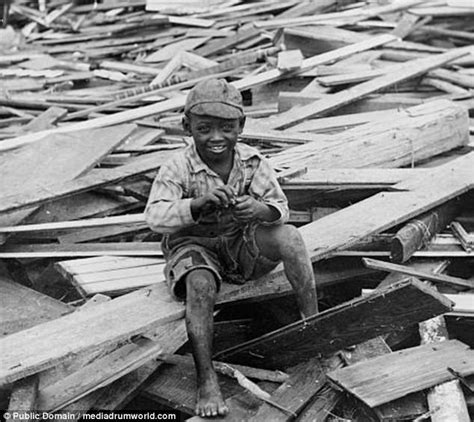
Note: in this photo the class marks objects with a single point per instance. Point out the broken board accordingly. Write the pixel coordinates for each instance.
(389, 377)
(347, 324)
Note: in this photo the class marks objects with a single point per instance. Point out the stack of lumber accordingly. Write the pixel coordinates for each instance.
(364, 110)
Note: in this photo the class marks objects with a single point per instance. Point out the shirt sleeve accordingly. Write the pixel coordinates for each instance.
(265, 187)
(167, 210)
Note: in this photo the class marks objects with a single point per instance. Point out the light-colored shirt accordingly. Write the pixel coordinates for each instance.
(186, 177)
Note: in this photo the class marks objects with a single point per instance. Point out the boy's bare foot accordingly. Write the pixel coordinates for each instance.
(209, 401)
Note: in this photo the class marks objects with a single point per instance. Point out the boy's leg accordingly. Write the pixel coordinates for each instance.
(285, 243)
(201, 290)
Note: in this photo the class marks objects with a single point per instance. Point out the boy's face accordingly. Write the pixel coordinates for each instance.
(215, 137)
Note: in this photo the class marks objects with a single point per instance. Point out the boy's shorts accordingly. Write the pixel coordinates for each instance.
(234, 258)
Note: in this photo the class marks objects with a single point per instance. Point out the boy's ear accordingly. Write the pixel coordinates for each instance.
(242, 124)
(186, 124)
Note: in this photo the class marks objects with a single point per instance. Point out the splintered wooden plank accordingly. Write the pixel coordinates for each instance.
(304, 382)
(81, 249)
(27, 352)
(23, 307)
(178, 101)
(24, 396)
(58, 157)
(97, 374)
(400, 305)
(171, 337)
(329, 103)
(57, 189)
(437, 278)
(389, 377)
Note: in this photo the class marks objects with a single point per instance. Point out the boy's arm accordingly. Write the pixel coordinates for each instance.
(167, 210)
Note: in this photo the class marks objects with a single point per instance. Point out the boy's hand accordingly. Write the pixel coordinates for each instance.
(223, 196)
(247, 208)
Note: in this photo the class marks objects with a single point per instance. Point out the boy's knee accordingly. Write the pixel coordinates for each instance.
(201, 279)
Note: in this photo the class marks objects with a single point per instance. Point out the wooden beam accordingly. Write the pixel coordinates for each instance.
(178, 101)
(23, 398)
(66, 225)
(417, 133)
(436, 278)
(418, 232)
(26, 352)
(321, 107)
(446, 401)
(81, 249)
(64, 158)
(95, 178)
(405, 371)
(344, 325)
(304, 382)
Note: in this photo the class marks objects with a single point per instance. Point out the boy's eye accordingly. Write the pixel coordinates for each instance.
(203, 129)
(227, 128)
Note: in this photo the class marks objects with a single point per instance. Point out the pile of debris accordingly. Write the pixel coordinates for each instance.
(363, 110)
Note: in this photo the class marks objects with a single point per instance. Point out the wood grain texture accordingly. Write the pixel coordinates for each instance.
(59, 157)
(437, 278)
(350, 323)
(294, 394)
(386, 378)
(321, 107)
(56, 188)
(22, 307)
(412, 135)
(26, 352)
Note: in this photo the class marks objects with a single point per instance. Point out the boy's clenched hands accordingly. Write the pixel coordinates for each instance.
(247, 208)
(244, 208)
(223, 196)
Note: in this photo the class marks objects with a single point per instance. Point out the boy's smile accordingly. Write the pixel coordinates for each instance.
(214, 137)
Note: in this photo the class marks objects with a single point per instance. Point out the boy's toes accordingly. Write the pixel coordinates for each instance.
(223, 409)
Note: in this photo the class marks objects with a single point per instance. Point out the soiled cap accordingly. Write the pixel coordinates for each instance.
(215, 97)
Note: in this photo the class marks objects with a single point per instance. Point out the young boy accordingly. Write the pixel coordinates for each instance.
(223, 216)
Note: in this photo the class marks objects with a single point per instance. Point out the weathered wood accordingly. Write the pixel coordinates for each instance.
(97, 374)
(466, 240)
(171, 337)
(418, 232)
(344, 325)
(26, 352)
(222, 367)
(341, 177)
(405, 371)
(417, 133)
(81, 249)
(95, 178)
(64, 157)
(446, 400)
(294, 394)
(178, 101)
(436, 278)
(23, 397)
(326, 105)
(23, 307)
(93, 222)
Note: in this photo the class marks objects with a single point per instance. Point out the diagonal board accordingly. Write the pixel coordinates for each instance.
(179, 100)
(396, 307)
(388, 377)
(59, 157)
(373, 215)
(320, 107)
(40, 347)
(61, 188)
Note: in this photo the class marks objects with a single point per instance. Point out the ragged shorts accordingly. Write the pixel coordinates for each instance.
(232, 257)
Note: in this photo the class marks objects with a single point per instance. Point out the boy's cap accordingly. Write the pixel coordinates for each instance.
(215, 97)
